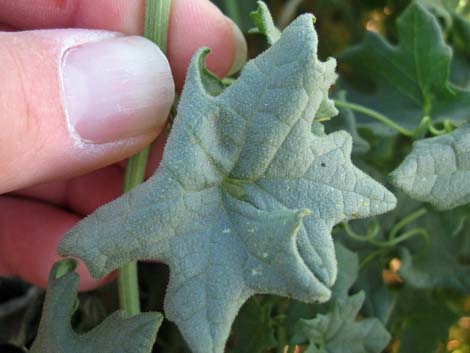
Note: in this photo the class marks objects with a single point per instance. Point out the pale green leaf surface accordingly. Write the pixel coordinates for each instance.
(348, 269)
(346, 120)
(339, 332)
(117, 334)
(408, 81)
(438, 170)
(245, 197)
(264, 23)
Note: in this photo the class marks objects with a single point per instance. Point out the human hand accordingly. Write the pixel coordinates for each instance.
(75, 102)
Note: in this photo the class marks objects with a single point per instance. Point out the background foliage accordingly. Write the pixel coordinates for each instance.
(404, 277)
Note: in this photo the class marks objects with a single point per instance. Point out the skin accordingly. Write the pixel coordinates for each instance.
(39, 202)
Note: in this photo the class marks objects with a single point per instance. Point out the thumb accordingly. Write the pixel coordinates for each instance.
(72, 101)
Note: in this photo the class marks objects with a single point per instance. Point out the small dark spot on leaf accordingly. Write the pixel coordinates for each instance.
(323, 164)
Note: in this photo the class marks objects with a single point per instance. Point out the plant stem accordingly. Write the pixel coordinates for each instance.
(407, 220)
(376, 115)
(157, 16)
(232, 10)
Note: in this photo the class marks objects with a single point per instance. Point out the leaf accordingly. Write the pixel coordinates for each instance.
(408, 81)
(438, 170)
(380, 300)
(245, 197)
(264, 23)
(444, 262)
(424, 321)
(339, 332)
(253, 329)
(346, 120)
(348, 270)
(117, 334)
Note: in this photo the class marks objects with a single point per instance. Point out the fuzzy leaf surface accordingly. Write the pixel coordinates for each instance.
(408, 81)
(438, 170)
(339, 332)
(245, 197)
(116, 334)
(264, 23)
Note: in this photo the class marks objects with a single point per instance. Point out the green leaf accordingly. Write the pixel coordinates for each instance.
(348, 270)
(380, 299)
(264, 23)
(444, 261)
(423, 321)
(438, 170)
(253, 329)
(117, 334)
(245, 197)
(339, 332)
(408, 81)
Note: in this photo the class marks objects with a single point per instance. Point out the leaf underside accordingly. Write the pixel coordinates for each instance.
(246, 194)
(438, 170)
(117, 334)
(408, 81)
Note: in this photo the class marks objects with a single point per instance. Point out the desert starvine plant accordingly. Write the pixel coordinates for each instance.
(246, 195)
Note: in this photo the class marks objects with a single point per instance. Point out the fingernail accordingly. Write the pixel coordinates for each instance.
(240, 49)
(116, 89)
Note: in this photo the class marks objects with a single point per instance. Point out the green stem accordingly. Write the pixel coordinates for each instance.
(432, 129)
(233, 11)
(371, 256)
(157, 16)
(407, 220)
(376, 115)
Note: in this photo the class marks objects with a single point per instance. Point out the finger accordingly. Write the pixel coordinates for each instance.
(29, 235)
(75, 101)
(84, 194)
(193, 24)
(81, 195)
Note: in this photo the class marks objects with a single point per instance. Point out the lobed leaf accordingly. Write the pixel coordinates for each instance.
(117, 334)
(339, 332)
(438, 170)
(246, 195)
(408, 81)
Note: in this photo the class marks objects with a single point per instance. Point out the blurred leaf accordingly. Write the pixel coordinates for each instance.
(408, 81)
(380, 300)
(253, 329)
(117, 334)
(348, 269)
(339, 332)
(424, 321)
(444, 261)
